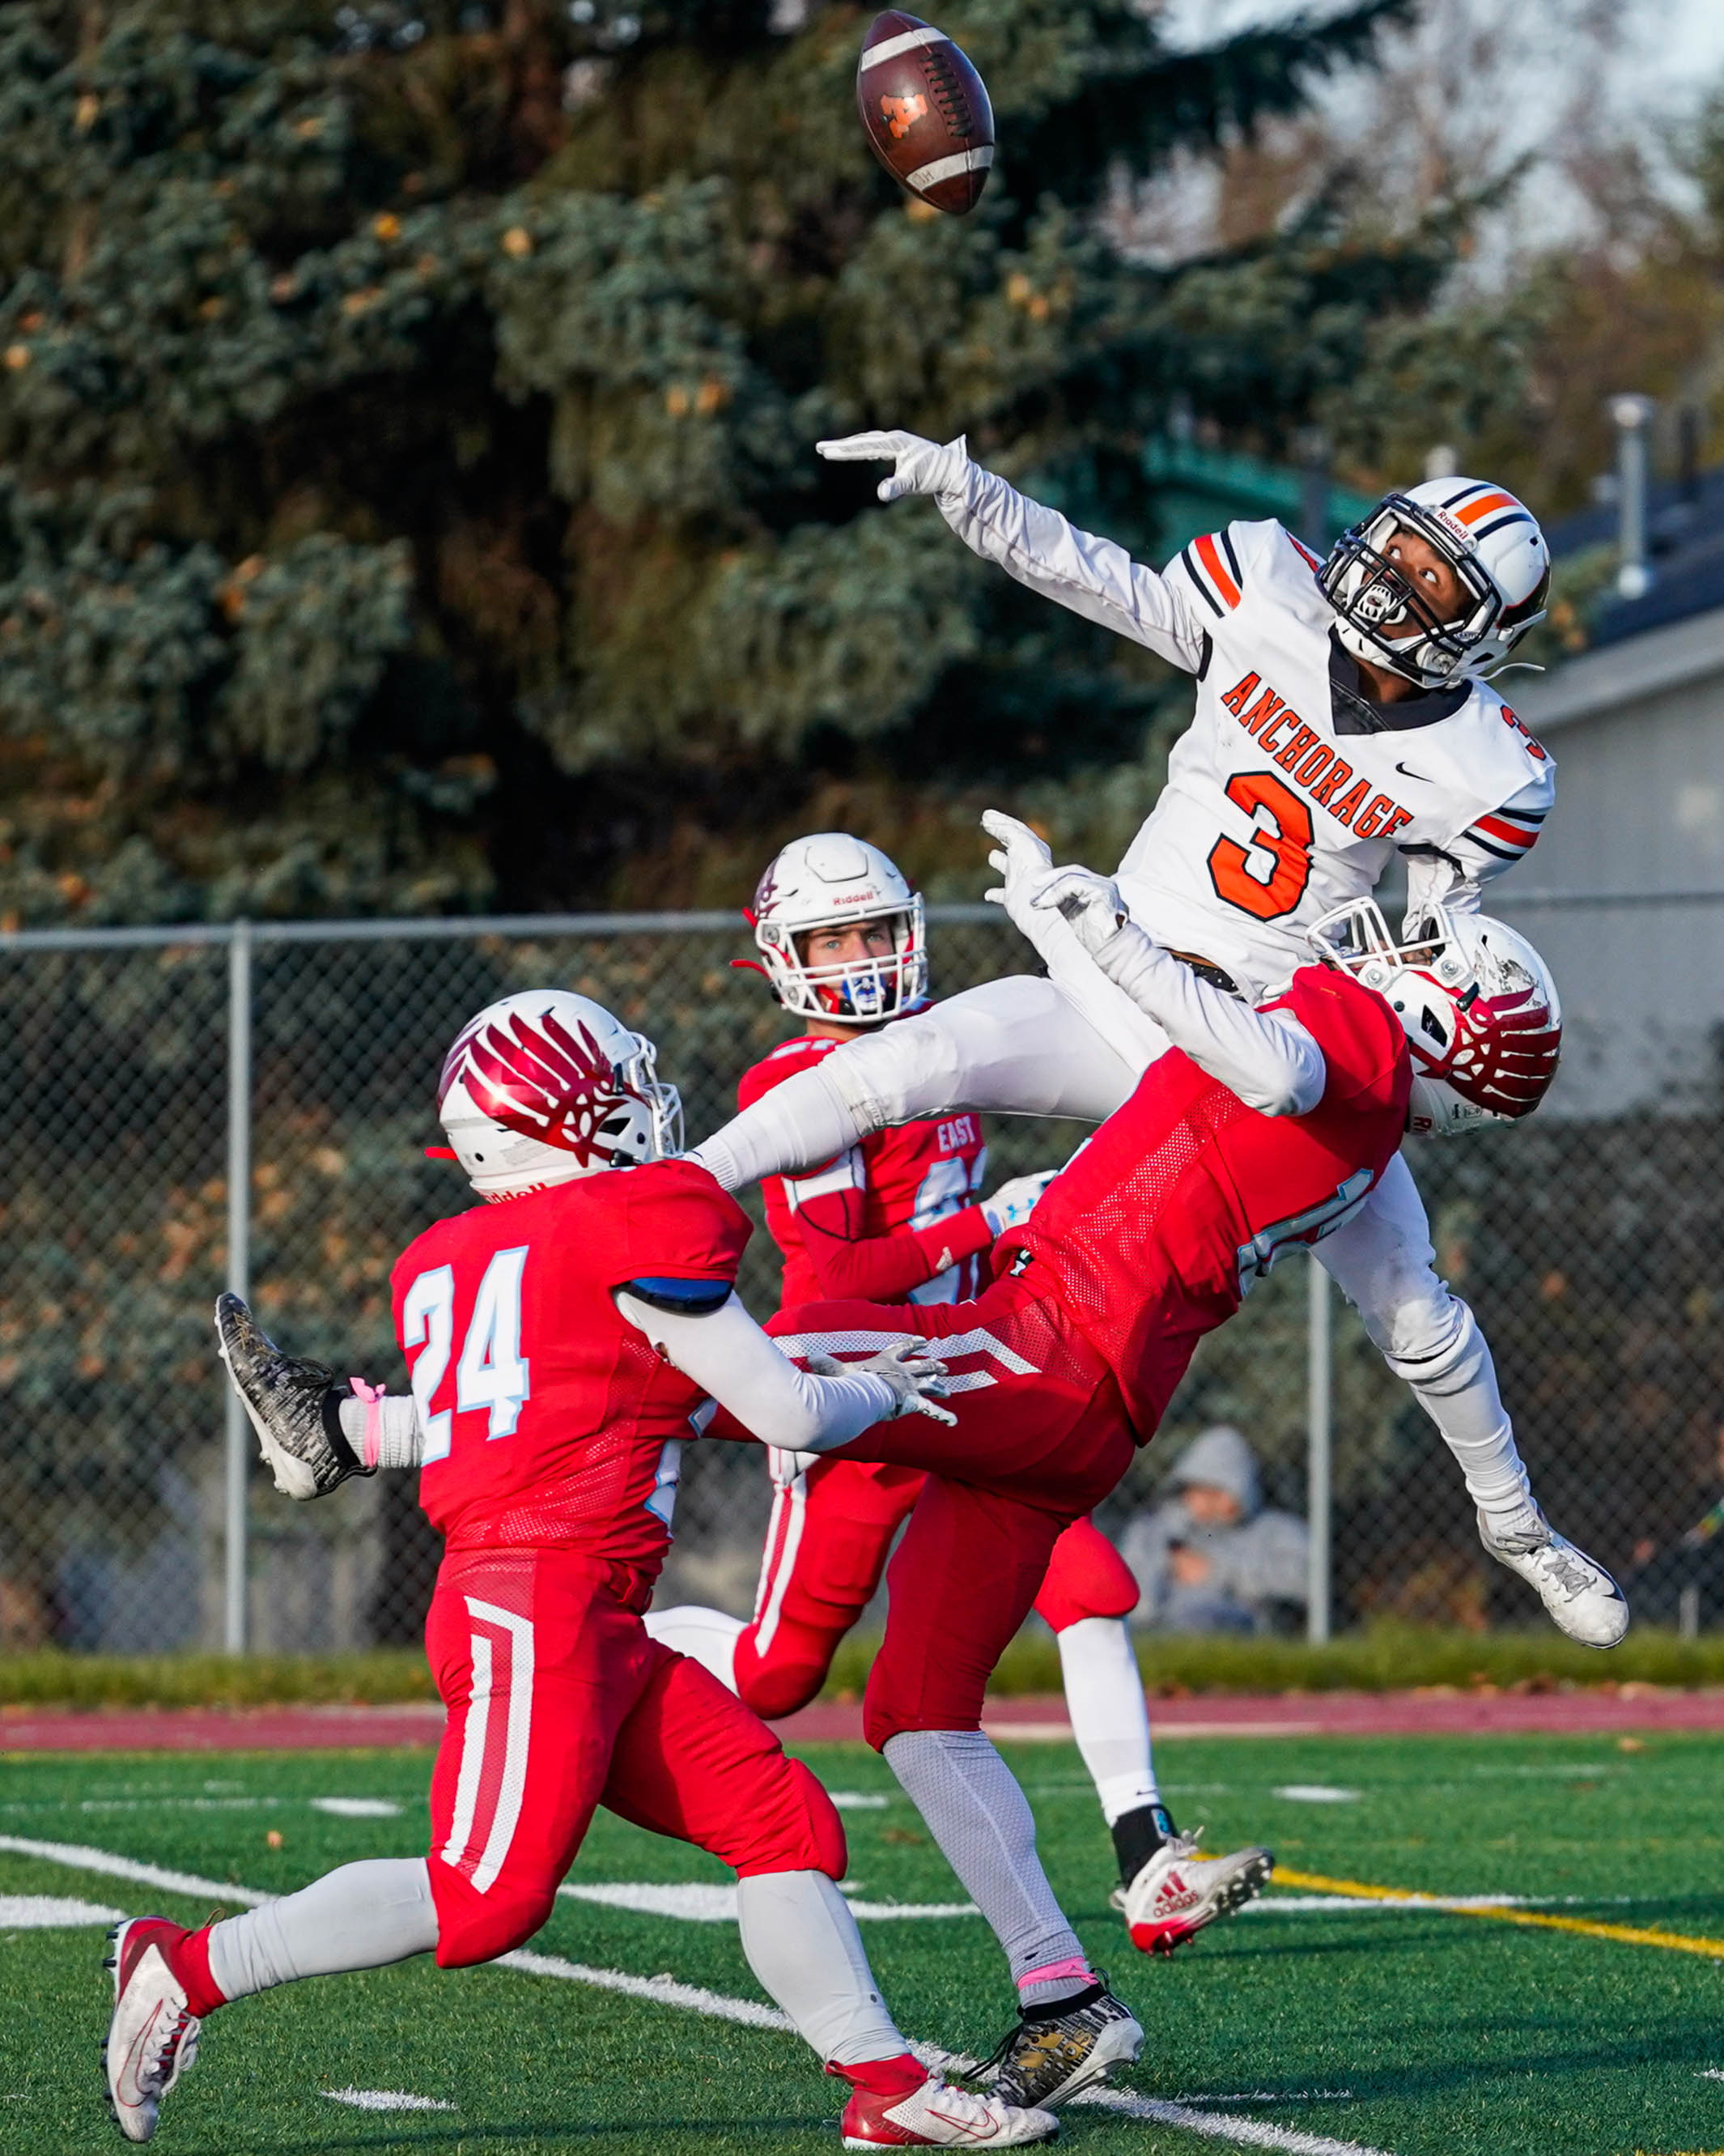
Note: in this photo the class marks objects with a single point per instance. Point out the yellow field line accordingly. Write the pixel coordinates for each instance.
(1630, 1935)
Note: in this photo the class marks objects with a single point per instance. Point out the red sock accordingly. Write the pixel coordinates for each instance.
(900, 2075)
(191, 1964)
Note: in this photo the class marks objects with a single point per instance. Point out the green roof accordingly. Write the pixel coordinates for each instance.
(1199, 490)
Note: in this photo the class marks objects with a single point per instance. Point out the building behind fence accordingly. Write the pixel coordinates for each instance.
(184, 1104)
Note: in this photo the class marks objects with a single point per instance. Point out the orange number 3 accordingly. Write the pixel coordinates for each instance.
(1284, 850)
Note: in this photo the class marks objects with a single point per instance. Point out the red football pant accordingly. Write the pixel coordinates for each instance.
(559, 1701)
(1041, 1438)
(826, 1543)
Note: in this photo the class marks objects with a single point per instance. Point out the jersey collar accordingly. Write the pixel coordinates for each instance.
(1353, 712)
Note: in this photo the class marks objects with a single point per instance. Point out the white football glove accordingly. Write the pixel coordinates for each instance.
(1023, 864)
(1092, 903)
(1012, 1204)
(923, 467)
(916, 1378)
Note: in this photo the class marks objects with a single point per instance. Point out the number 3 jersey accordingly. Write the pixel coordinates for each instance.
(549, 1420)
(1291, 790)
(1155, 1233)
(892, 1219)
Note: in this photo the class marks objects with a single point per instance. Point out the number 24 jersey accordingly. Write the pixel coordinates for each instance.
(549, 1420)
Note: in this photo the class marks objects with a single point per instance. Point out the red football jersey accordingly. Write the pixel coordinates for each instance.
(548, 1419)
(1153, 1235)
(893, 1219)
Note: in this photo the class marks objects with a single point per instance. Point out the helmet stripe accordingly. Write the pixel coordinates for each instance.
(1475, 510)
(1502, 523)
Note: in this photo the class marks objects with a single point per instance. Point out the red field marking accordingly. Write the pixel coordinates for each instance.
(1621, 1709)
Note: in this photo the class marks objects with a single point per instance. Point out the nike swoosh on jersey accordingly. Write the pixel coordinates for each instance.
(1418, 775)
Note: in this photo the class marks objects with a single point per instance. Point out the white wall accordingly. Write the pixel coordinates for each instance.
(1638, 733)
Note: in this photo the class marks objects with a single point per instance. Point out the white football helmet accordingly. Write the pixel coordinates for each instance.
(830, 880)
(1481, 1010)
(1494, 545)
(545, 1086)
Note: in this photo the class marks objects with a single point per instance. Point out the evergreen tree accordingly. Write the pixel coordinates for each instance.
(407, 415)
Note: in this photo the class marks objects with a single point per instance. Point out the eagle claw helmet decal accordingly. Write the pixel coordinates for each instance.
(1478, 1004)
(547, 1085)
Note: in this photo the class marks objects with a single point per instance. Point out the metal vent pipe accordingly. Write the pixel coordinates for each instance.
(1633, 418)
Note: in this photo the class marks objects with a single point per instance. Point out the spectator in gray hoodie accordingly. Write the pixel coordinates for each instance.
(1210, 1557)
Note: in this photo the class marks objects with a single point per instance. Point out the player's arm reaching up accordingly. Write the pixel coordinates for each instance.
(1267, 1057)
(1036, 545)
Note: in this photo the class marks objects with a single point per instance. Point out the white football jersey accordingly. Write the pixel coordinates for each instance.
(1288, 793)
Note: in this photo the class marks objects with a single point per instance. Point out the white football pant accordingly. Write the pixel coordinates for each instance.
(1022, 1045)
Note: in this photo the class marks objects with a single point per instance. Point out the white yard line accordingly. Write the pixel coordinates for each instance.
(46, 1912)
(110, 1866)
(385, 2100)
(690, 1904)
(714, 2006)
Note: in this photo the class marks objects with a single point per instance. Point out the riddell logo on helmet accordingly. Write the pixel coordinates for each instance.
(1450, 523)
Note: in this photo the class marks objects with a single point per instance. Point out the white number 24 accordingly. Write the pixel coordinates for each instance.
(492, 1372)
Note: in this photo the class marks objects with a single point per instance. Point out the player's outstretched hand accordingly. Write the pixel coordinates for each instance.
(1023, 863)
(922, 466)
(916, 1378)
(1091, 902)
(1012, 1204)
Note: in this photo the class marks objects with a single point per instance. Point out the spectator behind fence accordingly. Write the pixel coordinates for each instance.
(1211, 1557)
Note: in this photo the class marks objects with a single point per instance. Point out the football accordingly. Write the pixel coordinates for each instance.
(925, 111)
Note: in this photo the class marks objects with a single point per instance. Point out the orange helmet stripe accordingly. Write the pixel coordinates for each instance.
(1484, 505)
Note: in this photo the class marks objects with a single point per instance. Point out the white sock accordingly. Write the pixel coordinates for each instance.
(363, 1916)
(1103, 1695)
(982, 1821)
(705, 1636)
(1457, 1389)
(392, 1421)
(803, 1945)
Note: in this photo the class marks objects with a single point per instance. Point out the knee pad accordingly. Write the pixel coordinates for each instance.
(1446, 1355)
(779, 1687)
(473, 1927)
(1086, 1578)
(803, 1832)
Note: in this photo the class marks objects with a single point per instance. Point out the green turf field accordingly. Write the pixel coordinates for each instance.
(1422, 2032)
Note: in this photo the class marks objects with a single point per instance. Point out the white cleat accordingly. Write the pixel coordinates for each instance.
(1181, 1890)
(936, 2115)
(1580, 1596)
(153, 2037)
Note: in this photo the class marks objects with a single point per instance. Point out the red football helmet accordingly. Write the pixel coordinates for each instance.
(1479, 1008)
(547, 1085)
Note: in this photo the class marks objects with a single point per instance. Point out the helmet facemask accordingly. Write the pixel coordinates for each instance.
(1375, 595)
(853, 991)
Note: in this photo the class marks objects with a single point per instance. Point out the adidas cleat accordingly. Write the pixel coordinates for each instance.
(293, 1406)
(153, 2035)
(936, 2115)
(1579, 1595)
(1049, 2058)
(1180, 1891)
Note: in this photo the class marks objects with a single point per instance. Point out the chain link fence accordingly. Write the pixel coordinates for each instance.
(183, 1106)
